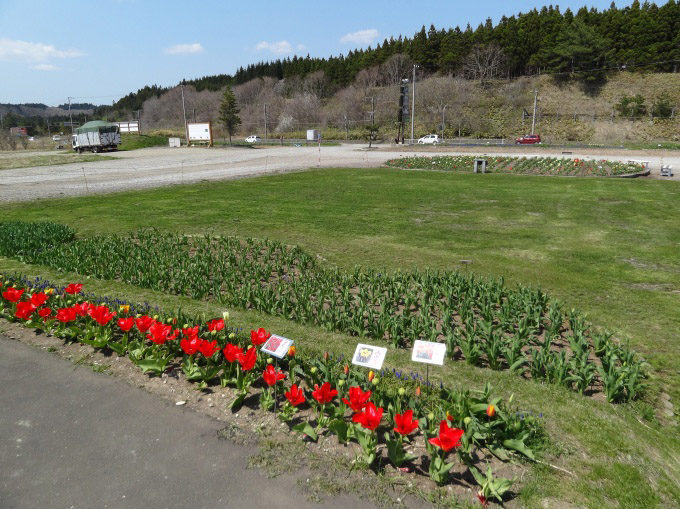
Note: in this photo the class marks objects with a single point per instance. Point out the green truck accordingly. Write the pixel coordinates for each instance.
(96, 136)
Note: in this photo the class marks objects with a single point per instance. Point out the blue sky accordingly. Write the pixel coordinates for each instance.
(99, 50)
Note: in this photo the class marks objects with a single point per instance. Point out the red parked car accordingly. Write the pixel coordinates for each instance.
(528, 139)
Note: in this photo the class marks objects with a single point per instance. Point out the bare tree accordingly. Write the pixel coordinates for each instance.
(367, 78)
(484, 63)
(395, 68)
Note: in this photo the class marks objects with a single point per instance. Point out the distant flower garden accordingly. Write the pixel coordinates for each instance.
(521, 165)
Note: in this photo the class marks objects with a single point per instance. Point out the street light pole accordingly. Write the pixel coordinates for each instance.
(443, 112)
(184, 111)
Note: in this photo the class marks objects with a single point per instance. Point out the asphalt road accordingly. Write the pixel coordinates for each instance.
(162, 166)
(70, 438)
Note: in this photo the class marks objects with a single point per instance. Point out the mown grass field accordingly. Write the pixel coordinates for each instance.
(609, 247)
(10, 160)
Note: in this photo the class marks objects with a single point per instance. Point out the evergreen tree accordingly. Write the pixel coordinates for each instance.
(229, 112)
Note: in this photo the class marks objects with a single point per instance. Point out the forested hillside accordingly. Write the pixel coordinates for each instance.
(639, 37)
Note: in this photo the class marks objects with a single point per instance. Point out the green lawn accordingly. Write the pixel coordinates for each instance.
(609, 247)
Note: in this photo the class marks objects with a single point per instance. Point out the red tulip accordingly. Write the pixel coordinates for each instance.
(208, 348)
(102, 315)
(324, 394)
(159, 333)
(25, 310)
(66, 315)
(271, 375)
(295, 395)
(73, 288)
(405, 425)
(38, 299)
(12, 294)
(247, 360)
(231, 352)
(82, 309)
(448, 437)
(216, 325)
(190, 346)
(346, 369)
(357, 398)
(259, 337)
(482, 499)
(144, 322)
(126, 324)
(491, 410)
(191, 332)
(45, 313)
(370, 418)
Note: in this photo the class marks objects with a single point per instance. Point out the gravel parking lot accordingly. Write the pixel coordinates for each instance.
(163, 166)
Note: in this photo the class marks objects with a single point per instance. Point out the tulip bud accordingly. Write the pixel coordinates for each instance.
(512, 396)
(340, 383)
(291, 351)
(346, 369)
(213, 332)
(401, 391)
(169, 320)
(232, 335)
(325, 356)
(155, 317)
(467, 420)
(313, 370)
(430, 416)
(449, 416)
(491, 410)
(225, 315)
(269, 361)
(371, 375)
(186, 326)
(375, 380)
(418, 391)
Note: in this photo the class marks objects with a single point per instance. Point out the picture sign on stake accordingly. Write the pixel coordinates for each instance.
(277, 346)
(369, 356)
(428, 352)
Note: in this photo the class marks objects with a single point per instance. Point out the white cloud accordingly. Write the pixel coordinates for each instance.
(33, 51)
(184, 49)
(300, 47)
(45, 67)
(278, 48)
(362, 37)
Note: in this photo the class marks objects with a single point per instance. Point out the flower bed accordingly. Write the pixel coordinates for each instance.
(481, 320)
(521, 165)
(388, 416)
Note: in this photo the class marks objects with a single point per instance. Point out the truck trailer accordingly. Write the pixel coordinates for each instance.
(96, 136)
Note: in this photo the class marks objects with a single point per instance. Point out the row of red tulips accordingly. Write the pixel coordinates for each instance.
(237, 363)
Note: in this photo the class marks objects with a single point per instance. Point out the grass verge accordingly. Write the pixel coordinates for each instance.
(53, 159)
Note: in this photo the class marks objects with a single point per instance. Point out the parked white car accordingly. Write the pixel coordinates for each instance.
(430, 139)
(253, 139)
(56, 137)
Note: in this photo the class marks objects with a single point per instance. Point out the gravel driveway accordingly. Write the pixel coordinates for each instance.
(162, 166)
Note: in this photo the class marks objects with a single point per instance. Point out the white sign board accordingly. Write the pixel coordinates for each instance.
(313, 135)
(174, 142)
(200, 131)
(369, 356)
(277, 346)
(129, 127)
(428, 352)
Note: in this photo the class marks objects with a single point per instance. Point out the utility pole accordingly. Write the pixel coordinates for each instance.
(265, 121)
(372, 110)
(443, 112)
(70, 117)
(184, 111)
(413, 102)
(533, 117)
(194, 114)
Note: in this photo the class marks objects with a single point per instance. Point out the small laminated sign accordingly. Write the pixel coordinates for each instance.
(277, 346)
(369, 356)
(428, 352)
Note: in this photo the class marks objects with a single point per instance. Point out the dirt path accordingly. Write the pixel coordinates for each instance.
(74, 438)
(163, 166)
